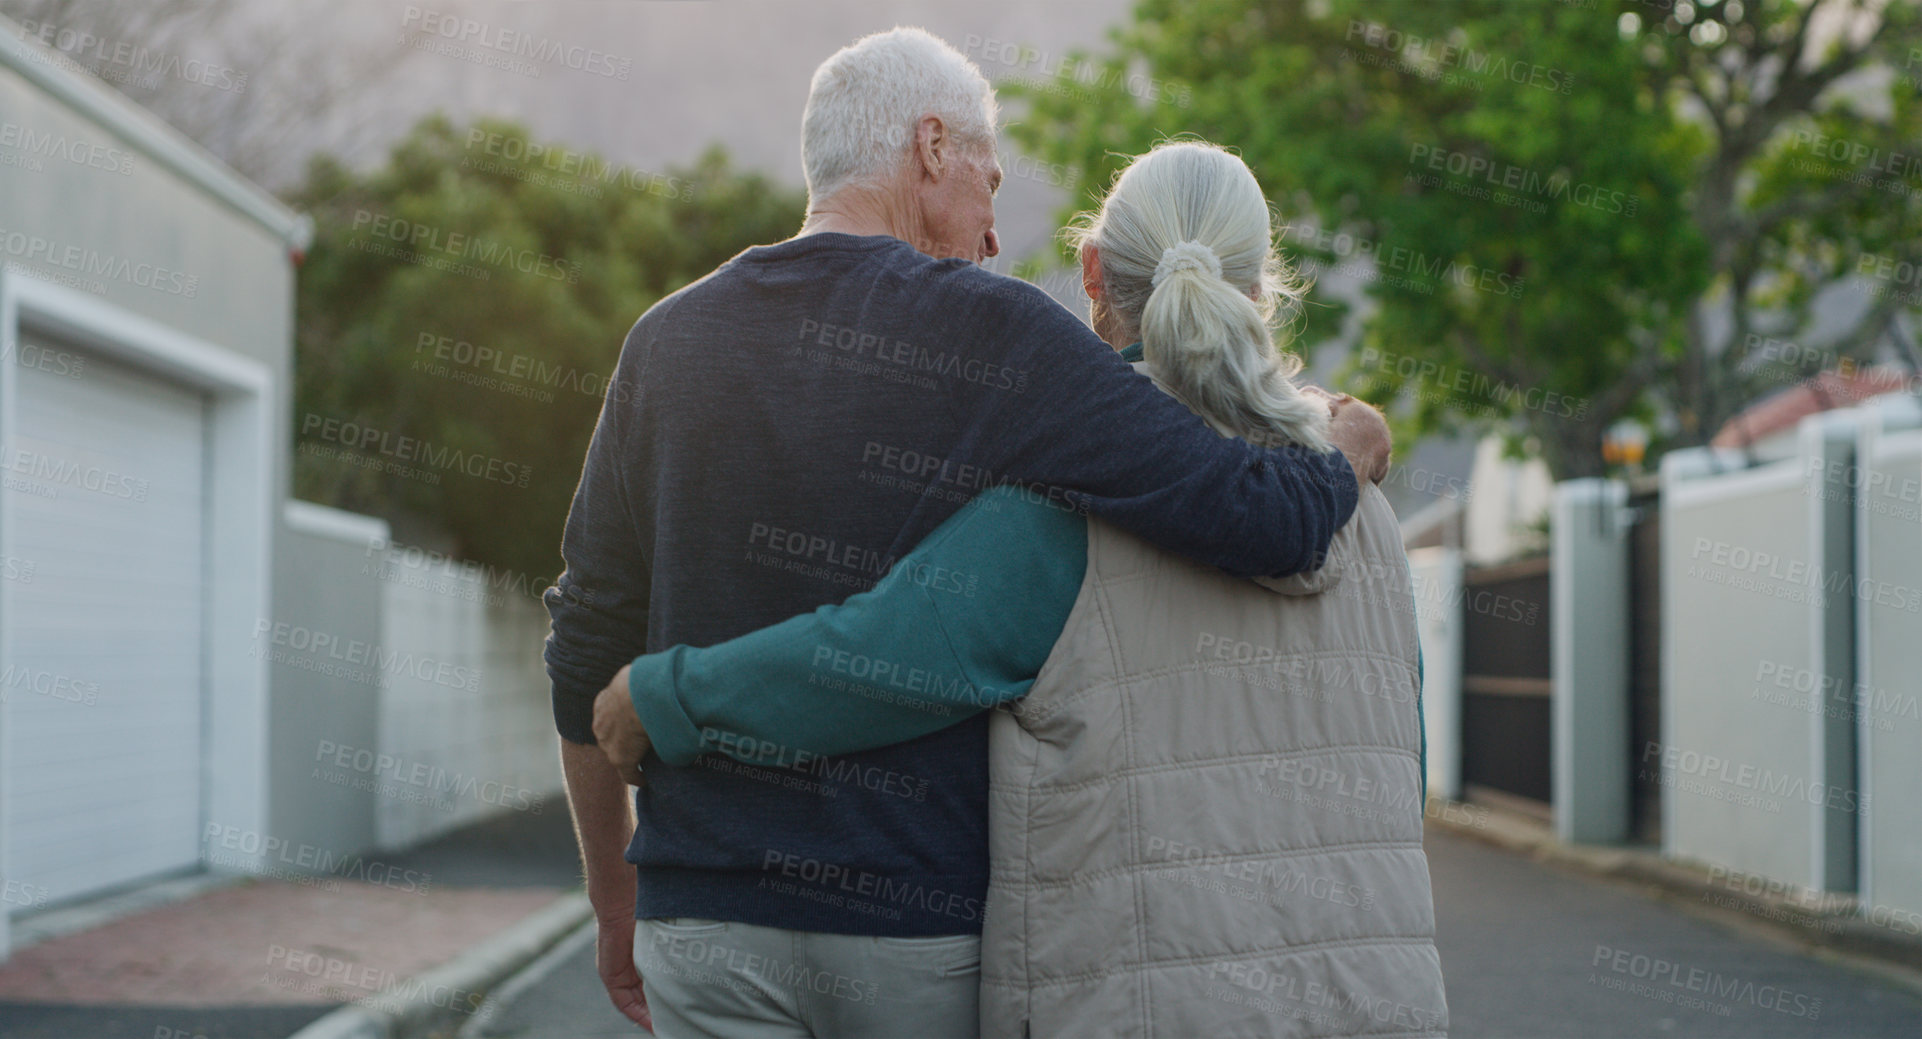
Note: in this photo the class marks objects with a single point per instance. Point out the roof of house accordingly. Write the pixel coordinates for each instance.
(1822, 392)
(62, 78)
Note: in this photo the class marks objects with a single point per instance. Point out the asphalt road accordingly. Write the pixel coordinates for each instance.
(1530, 952)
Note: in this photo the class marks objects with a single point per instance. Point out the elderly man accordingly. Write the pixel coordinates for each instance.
(798, 420)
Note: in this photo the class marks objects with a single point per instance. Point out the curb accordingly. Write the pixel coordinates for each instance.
(1837, 929)
(472, 973)
(527, 977)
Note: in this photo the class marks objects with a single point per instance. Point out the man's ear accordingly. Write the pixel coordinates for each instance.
(1091, 282)
(932, 146)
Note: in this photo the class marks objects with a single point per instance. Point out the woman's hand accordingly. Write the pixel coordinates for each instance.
(619, 732)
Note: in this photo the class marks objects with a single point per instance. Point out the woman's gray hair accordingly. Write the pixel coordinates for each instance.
(1188, 263)
(867, 98)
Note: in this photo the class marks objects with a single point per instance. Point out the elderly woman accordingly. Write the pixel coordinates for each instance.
(1206, 803)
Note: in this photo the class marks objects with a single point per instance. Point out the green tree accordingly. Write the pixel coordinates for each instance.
(1552, 197)
(471, 296)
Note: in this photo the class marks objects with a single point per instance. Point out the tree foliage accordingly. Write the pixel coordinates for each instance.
(472, 296)
(1553, 200)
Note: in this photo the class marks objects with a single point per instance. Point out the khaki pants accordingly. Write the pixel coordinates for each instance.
(741, 981)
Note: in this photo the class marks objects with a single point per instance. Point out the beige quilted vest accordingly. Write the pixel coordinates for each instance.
(1204, 818)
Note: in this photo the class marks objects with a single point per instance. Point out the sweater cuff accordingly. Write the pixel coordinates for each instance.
(651, 685)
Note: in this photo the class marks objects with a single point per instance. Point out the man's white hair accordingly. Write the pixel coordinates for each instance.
(867, 98)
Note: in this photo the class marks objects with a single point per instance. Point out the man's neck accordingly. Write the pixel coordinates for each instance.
(863, 211)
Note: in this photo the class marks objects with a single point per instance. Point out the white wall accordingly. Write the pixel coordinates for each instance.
(1726, 617)
(1887, 698)
(465, 720)
(1783, 602)
(1437, 581)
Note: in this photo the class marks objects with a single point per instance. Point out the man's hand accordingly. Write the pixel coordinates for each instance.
(1361, 433)
(614, 958)
(618, 730)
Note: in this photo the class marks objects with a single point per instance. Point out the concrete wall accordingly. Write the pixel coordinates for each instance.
(1886, 702)
(409, 696)
(465, 714)
(1589, 720)
(1729, 545)
(1437, 582)
(327, 613)
(1767, 598)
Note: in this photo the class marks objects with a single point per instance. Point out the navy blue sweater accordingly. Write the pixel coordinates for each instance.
(776, 436)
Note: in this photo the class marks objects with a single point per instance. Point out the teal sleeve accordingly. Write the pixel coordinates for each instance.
(960, 624)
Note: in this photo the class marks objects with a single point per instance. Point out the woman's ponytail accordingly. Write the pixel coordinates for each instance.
(1189, 265)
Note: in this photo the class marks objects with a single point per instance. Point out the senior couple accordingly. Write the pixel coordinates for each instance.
(981, 674)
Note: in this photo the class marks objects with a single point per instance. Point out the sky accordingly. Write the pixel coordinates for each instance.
(667, 78)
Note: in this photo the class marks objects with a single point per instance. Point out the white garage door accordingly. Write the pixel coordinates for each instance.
(105, 681)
